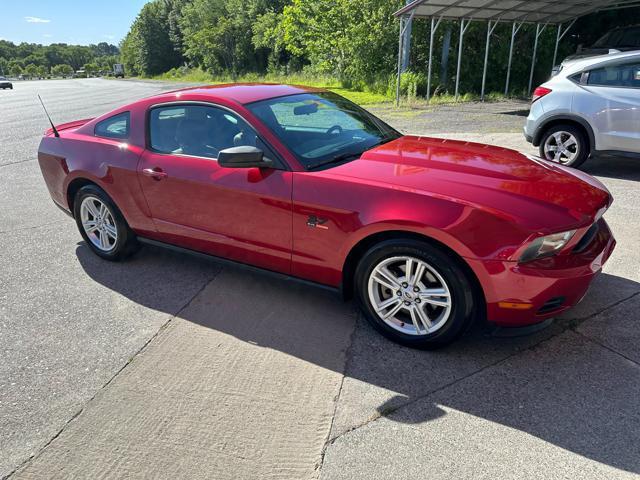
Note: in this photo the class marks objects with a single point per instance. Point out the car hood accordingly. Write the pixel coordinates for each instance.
(537, 194)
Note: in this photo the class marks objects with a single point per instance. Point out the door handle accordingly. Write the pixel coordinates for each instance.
(155, 173)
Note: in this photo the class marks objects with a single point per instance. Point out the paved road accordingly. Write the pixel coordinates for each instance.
(160, 367)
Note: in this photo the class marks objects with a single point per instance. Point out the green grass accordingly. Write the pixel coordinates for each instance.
(361, 97)
(329, 83)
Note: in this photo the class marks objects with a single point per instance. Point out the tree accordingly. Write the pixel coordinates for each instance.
(218, 34)
(268, 34)
(41, 71)
(15, 69)
(356, 40)
(30, 71)
(147, 48)
(91, 68)
(46, 58)
(62, 70)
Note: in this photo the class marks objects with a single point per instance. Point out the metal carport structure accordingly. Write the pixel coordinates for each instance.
(542, 13)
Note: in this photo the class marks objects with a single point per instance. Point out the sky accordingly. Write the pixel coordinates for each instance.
(67, 21)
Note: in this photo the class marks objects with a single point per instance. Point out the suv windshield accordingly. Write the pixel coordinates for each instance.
(622, 37)
(323, 128)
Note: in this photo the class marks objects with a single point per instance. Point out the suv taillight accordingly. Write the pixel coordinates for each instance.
(539, 93)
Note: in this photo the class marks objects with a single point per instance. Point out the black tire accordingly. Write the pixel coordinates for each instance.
(126, 243)
(462, 310)
(583, 147)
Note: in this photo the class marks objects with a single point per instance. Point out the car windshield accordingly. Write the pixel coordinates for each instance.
(630, 38)
(322, 129)
(609, 39)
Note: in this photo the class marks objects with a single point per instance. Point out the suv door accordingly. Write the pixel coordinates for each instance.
(613, 103)
(243, 214)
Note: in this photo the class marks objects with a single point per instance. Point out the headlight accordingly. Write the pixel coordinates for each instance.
(546, 246)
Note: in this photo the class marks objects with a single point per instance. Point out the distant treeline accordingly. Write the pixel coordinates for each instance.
(57, 59)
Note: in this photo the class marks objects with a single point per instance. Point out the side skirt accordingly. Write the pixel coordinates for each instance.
(243, 266)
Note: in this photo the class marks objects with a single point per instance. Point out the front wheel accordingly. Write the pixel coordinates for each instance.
(566, 145)
(101, 224)
(414, 293)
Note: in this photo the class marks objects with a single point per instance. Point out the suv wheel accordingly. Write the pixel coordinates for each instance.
(566, 145)
(414, 293)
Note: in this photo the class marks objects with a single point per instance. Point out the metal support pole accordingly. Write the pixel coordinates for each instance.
(514, 31)
(434, 27)
(406, 41)
(399, 62)
(555, 50)
(404, 23)
(559, 37)
(535, 53)
(490, 28)
(463, 28)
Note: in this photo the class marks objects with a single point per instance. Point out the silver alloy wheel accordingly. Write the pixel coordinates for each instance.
(561, 147)
(409, 295)
(97, 221)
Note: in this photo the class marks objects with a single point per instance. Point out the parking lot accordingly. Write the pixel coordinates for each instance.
(172, 366)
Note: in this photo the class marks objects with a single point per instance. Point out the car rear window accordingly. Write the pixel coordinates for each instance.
(114, 127)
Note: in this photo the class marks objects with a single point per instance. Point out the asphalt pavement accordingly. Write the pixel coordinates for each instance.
(170, 366)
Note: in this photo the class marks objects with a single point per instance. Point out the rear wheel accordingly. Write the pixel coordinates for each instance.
(414, 293)
(566, 145)
(101, 224)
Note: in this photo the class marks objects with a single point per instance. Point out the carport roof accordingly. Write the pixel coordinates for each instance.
(527, 11)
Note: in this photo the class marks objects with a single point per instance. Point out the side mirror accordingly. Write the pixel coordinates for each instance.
(243, 157)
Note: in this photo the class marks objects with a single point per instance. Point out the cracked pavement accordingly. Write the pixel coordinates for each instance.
(170, 366)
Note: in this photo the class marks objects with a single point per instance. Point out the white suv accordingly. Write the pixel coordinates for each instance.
(592, 107)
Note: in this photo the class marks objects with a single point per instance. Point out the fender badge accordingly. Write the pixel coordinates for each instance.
(316, 222)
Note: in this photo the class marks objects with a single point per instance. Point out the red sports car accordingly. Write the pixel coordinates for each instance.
(428, 234)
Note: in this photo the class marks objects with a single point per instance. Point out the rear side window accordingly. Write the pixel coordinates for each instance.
(114, 127)
(625, 75)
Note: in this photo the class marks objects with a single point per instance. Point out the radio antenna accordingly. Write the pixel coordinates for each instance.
(55, 130)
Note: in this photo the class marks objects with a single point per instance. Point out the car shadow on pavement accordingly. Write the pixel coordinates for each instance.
(614, 167)
(565, 385)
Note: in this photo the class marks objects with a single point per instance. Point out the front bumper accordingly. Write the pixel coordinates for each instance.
(524, 294)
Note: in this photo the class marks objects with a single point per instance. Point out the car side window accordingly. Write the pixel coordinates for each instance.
(621, 75)
(199, 130)
(114, 127)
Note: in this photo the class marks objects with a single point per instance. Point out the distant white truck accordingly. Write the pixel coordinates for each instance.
(118, 70)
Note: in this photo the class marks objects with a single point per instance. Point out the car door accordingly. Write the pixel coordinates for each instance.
(614, 104)
(243, 214)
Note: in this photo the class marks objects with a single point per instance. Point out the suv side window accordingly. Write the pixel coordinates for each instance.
(621, 75)
(199, 130)
(114, 127)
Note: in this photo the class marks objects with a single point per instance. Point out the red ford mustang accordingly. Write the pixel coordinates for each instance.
(428, 234)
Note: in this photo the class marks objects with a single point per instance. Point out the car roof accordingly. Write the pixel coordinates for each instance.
(576, 66)
(242, 93)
